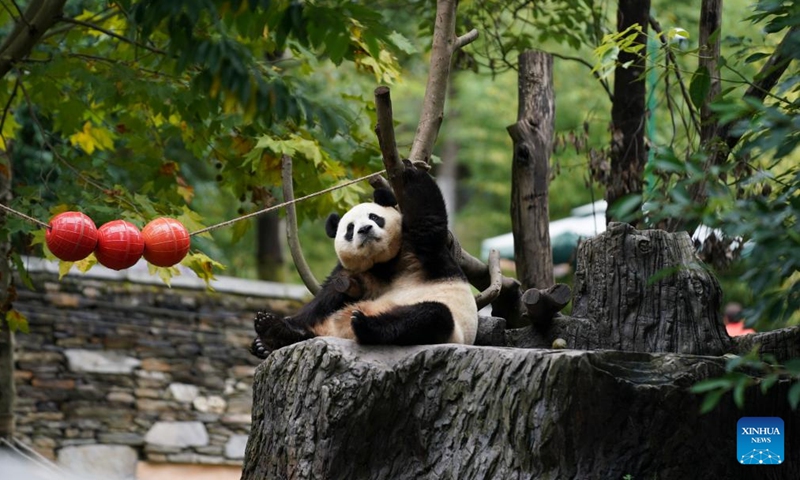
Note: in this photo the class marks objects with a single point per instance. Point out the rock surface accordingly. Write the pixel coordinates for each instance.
(328, 408)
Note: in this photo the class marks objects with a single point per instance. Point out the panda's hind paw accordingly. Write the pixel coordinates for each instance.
(365, 329)
(264, 322)
(275, 332)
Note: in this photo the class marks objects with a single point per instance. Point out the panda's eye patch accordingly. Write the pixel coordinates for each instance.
(349, 235)
(379, 221)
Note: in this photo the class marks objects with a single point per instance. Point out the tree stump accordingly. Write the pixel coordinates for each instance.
(329, 408)
(646, 291)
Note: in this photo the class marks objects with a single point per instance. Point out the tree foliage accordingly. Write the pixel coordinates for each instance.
(129, 109)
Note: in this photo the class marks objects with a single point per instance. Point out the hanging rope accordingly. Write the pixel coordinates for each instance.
(22, 215)
(232, 221)
(281, 205)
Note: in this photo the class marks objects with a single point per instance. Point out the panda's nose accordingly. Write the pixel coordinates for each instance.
(365, 229)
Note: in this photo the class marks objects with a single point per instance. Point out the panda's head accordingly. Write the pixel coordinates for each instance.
(368, 233)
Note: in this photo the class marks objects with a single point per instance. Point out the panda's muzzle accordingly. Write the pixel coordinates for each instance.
(367, 234)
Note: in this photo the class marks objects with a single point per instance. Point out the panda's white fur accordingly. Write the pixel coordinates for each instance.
(380, 244)
(408, 288)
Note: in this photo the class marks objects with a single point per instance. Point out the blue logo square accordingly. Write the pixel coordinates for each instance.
(759, 441)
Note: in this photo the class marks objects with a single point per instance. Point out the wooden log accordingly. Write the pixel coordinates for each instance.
(542, 305)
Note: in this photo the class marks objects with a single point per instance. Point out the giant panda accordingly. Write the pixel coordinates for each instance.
(411, 289)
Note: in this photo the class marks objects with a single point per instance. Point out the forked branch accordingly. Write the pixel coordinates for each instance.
(445, 44)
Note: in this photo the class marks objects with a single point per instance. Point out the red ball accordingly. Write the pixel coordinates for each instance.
(119, 244)
(166, 242)
(71, 237)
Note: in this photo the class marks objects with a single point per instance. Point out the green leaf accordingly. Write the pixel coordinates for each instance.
(767, 382)
(239, 229)
(739, 390)
(676, 32)
(627, 207)
(723, 383)
(711, 400)
(794, 395)
(755, 57)
(16, 321)
(22, 271)
(64, 268)
(700, 86)
(793, 366)
(402, 43)
(203, 266)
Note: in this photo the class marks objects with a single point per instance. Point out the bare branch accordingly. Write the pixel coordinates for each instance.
(444, 44)
(657, 27)
(7, 108)
(291, 228)
(97, 18)
(495, 284)
(384, 129)
(19, 11)
(39, 16)
(108, 32)
(466, 39)
(596, 75)
(765, 81)
(379, 182)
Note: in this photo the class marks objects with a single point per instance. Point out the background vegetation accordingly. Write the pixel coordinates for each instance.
(137, 109)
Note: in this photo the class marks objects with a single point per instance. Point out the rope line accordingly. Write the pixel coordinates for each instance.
(280, 205)
(22, 215)
(234, 220)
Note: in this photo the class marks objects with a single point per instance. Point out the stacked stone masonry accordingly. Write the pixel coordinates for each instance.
(158, 374)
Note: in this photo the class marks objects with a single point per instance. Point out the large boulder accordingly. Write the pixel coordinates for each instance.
(329, 408)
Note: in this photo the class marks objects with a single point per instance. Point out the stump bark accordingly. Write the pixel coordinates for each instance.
(646, 291)
(329, 408)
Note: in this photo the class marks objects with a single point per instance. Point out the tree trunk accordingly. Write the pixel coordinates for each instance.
(628, 152)
(8, 392)
(533, 143)
(269, 255)
(447, 173)
(710, 33)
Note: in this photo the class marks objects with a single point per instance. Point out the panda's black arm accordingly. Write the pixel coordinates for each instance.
(424, 212)
(328, 300)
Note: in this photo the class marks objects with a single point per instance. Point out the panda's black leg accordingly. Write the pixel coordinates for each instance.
(421, 323)
(273, 333)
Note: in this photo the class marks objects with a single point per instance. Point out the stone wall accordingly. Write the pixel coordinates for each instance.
(119, 367)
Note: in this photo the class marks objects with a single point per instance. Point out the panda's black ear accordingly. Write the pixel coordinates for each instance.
(384, 197)
(332, 224)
